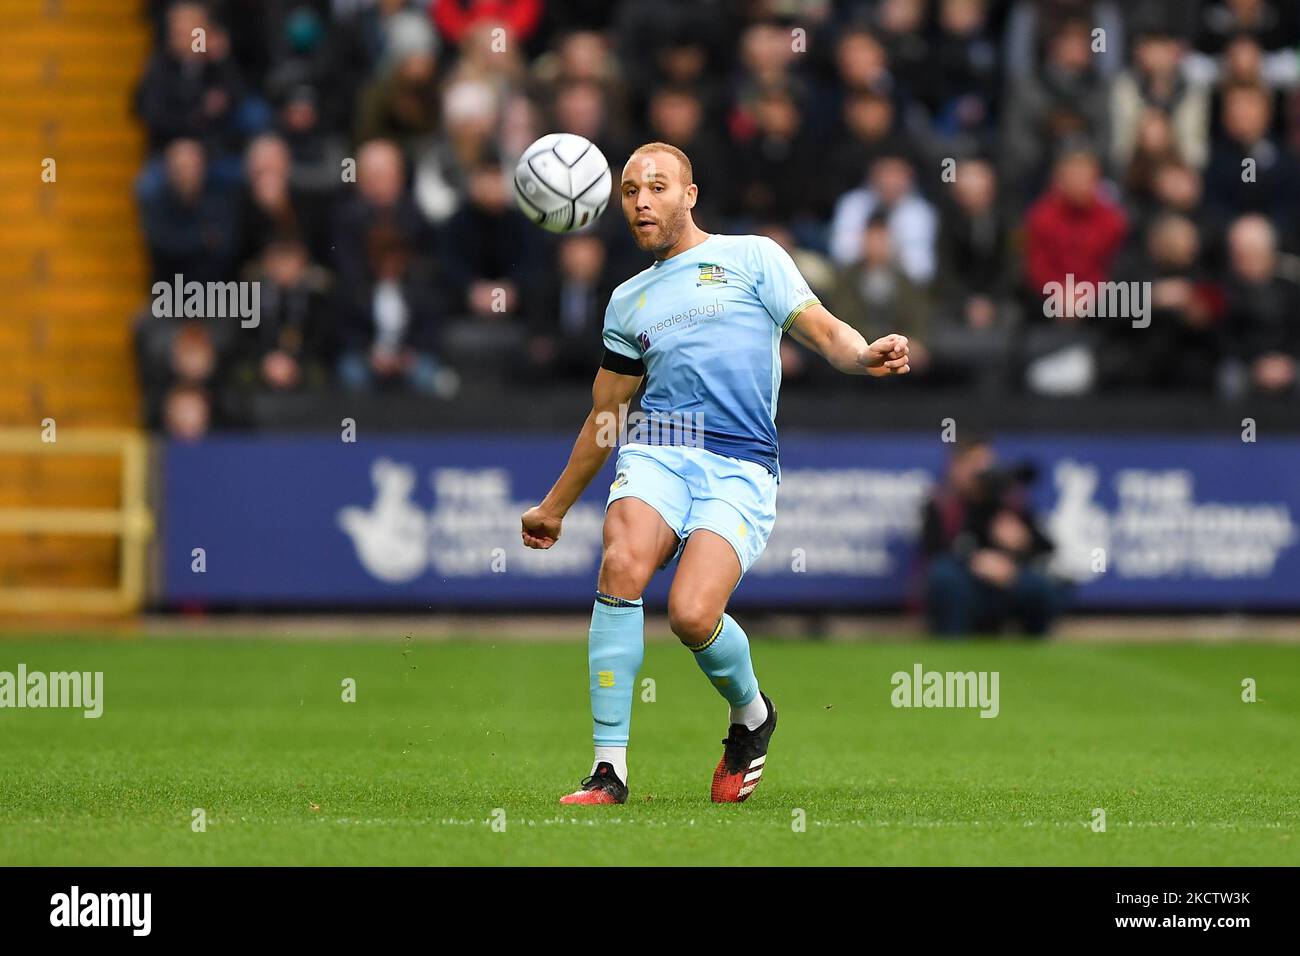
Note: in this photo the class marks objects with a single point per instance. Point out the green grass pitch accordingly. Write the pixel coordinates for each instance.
(447, 739)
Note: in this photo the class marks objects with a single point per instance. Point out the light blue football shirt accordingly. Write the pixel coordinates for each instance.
(707, 323)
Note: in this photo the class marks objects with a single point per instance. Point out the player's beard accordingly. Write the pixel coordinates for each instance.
(670, 230)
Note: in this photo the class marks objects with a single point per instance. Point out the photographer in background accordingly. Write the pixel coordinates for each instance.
(984, 550)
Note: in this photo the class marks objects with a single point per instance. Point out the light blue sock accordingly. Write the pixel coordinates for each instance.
(615, 648)
(724, 658)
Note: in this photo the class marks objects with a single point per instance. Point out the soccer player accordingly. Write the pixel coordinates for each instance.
(697, 479)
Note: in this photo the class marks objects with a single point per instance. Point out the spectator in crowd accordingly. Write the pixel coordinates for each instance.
(291, 346)
(1154, 94)
(1072, 236)
(190, 224)
(270, 206)
(1249, 171)
(389, 330)
(560, 19)
(1033, 25)
(1179, 345)
(192, 90)
(969, 335)
(862, 63)
(1262, 322)
(767, 61)
(984, 550)
(368, 42)
(186, 413)
(381, 198)
(520, 126)
(1269, 23)
(457, 18)
(960, 82)
(489, 249)
(470, 120)
(1243, 63)
(1072, 229)
(401, 106)
(677, 116)
(580, 108)
(301, 59)
(566, 311)
(869, 132)
(489, 56)
(776, 176)
(901, 28)
(913, 224)
(584, 56)
(1064, 102)
(667, 43)
(873, 293)
(316, 148)
(194, 354)
(181, 371)
(1171, 187)
(1154, 147)
(973, 245)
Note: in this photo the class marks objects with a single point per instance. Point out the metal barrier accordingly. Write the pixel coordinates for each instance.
(132, 521)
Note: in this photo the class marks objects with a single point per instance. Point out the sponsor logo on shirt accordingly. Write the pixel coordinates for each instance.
(691, 317)
(711, 274)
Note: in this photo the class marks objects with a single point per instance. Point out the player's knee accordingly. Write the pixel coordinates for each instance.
(692, 619)
(623, 573)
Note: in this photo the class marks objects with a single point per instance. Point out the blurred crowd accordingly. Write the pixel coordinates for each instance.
(934, 166)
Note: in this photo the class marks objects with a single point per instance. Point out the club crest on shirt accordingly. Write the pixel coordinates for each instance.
(711, 274)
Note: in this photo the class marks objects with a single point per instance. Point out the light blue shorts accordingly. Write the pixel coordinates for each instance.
(692, 488)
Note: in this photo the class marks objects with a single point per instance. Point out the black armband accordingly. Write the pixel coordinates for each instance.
(622, 365)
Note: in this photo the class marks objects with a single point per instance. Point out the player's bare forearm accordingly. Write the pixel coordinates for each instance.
(844, 347)
(837, 342)
(585, 461)
(610, 395)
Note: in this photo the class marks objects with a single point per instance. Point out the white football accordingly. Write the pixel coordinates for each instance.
(562, 182)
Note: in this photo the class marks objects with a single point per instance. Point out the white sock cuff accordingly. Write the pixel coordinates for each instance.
(752, 715)
(615, 757)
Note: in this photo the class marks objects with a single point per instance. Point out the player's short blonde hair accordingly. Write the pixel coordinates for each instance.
(688, 174)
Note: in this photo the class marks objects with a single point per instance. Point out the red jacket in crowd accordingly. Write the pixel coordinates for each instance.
(454, 18)
(1061, 237)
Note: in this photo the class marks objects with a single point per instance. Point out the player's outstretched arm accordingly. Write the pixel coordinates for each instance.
(610, 395)
(845, 348)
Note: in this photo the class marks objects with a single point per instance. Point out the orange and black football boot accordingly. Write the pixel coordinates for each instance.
(744, 754)
(603, 786)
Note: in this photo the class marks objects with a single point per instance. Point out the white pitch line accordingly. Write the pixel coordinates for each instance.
(825, 824)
